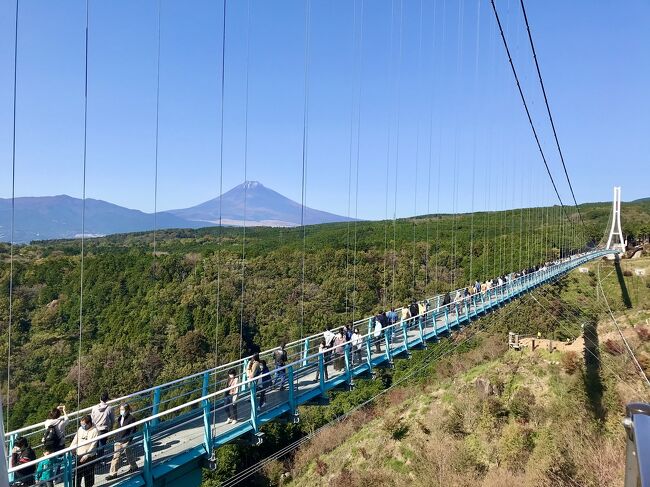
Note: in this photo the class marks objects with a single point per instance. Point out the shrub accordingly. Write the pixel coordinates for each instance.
(453, 422)
(613, 347)
(515, 445)
(394, 426)
(321, 467)
(521, 403)
(570, 362)
(643, 333)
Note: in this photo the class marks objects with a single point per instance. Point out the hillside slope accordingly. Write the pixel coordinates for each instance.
(508, 418)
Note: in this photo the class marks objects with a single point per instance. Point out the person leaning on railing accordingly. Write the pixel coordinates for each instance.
(123, 442)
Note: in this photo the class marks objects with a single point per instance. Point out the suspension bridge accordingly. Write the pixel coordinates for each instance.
(177, 440)
(180, 424)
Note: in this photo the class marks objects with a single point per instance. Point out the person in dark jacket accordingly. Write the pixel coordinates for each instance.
(447, 299)
(414, 309)
(20, 454)
(280, 359)
(265, 383)
(123, 441)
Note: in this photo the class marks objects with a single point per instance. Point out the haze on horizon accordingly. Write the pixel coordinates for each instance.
(455, 105)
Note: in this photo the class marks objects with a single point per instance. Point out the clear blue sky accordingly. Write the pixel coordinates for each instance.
(595, 57)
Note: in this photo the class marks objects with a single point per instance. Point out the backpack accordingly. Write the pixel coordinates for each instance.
(266, 380)
(51, 439)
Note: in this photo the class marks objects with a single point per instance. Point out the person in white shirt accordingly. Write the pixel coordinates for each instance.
(356, 346)
(377, 335)
(86, 451)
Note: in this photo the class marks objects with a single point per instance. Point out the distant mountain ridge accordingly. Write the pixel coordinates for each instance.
(59, 217)
(264, 206)
(56, 217)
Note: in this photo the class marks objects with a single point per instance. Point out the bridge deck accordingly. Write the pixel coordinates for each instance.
(191, 427)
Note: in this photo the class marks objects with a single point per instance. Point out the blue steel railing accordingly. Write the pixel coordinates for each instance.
(637, 455)
(198, 424)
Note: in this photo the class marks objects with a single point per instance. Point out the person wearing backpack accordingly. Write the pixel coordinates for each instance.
(22, 453)
(57, 420)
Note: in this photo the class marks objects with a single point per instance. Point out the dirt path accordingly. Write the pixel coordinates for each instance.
(576, 345)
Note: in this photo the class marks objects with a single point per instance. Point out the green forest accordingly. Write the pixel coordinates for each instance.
(149, 316)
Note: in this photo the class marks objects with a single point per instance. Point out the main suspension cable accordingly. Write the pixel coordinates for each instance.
(523, 100)
(305, 133)
(220, 227)
(548, 110)
(243, 246)
(13, 220)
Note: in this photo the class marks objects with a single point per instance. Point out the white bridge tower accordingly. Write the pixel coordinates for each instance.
(615, 241)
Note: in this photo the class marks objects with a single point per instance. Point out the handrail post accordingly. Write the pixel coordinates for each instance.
(405, 335)
(369, 352)
(207, 428)
(457, 315)
(12, 440)
(435, 323)
(146, 442)
(447, 317)
(421, 328)
(252, 391)
(348, 369)
(389, 352)
(292, 397)
(467, 308)
(637, 423)
(305, 352)
(156, 406)
(67, 469)
(205, 389)
(321, 372)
